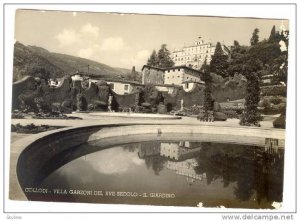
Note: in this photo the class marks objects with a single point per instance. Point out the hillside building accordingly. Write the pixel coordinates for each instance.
(195, 55)
(165, 79)
(187, 169)
(119, 86)
(180, 151)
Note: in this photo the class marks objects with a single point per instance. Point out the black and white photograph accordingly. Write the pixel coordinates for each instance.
(149, 109)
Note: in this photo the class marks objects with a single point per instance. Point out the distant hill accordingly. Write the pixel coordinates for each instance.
(39, 62)
(26, 62)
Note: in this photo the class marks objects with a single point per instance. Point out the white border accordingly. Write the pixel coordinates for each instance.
(262, 11)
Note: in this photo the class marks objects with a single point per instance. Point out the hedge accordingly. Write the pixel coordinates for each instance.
(273, 90)
(279, 122)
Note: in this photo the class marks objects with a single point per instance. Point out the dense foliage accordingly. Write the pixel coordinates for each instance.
(219, 63)
(162, 59)
(254, 39)
(208, 101)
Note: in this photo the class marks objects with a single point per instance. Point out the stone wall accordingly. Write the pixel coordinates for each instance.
(152, 76)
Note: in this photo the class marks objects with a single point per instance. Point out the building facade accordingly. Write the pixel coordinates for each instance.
(152, 75)
(177, 75)
(180, 151)
(173, 76)
(195, 55)
(119, 86)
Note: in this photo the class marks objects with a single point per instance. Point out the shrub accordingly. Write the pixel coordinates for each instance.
(138, 109)
(231, 114)
(100, 105)
(56, 107)
(193, 110)
(13, 128)
(219, 116)
(265, 103)
(280, 108)
(91, 107)
(216, 106)
(17, 116)
(67, 106)
(277, 100)
(161, 109)
(279, 122)
(147, 105)
(273, 90)
(31, 128)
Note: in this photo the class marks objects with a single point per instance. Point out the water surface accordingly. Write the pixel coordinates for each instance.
(170, 173)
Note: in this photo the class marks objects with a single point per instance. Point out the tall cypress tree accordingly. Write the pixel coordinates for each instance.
(208, 101)
(219, 62)
(272, 37)
(250, 116)
(153, 60)
(254, 39)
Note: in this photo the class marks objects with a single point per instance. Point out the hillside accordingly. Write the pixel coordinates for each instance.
(27, 62)
(39, 62)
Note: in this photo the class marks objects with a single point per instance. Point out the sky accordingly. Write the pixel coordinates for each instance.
(126, 40)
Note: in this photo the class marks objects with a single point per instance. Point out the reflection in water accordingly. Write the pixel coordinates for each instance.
(211, 173)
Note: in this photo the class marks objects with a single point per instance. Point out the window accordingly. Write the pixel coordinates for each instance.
(178, 69)
(186, 85)
(173, 70)
(126, 87)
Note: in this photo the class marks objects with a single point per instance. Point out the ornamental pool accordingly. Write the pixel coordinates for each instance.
(167, 172)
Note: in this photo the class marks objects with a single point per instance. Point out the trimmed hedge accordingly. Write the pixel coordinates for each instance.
(219, 116)
(274, 90)
(280, 122)
(232, 114)
(32, 129)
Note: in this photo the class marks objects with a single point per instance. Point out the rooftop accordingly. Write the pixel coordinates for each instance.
(97, 77)
(171, 68)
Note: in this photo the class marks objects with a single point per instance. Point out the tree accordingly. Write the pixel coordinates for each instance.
(251, 70)
(280, 64)
(219, 62)
(254, 39)
(153, 60)
(208, 101)
(236, 44)
(164, 58)
(237, 56)
(273, 36)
